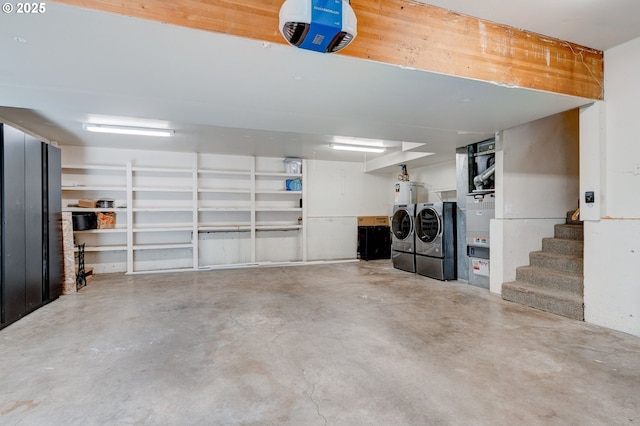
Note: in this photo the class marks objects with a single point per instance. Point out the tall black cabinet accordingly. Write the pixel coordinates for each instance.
(30, 227)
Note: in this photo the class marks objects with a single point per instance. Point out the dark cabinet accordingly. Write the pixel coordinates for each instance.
(30, 235)
(13, 225)
(52, 227)
(374, 242)
(34, 218)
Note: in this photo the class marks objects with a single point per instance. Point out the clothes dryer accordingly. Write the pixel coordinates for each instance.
(435, 242)
(403, 237)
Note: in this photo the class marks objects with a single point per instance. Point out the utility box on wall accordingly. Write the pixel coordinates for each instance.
(480, 210)
(475, 170)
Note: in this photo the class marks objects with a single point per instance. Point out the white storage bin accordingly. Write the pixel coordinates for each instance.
(293, 165)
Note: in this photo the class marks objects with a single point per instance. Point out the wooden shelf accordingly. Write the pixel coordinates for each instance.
(101, 248)
(224, 191)
(161, 170)
(162, 246)
(224, 172)
(224, 228)
(165, 229)
(93, 188)
(278, 191)
(93, 167)
(278, 175)
(161, 271)
(277, 209)
(160, 189)
(224, 209)
(277, 227)
(102, 231)
(162, 209)
(93, 210)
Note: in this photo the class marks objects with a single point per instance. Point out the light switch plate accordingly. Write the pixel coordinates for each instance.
(589, 197)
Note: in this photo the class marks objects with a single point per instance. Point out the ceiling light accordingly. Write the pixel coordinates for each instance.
(358, 141)
(127, 130)
(357, 148)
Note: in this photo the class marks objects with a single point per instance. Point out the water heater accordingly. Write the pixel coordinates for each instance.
(406, 193)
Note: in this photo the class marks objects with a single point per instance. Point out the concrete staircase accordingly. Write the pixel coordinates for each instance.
(553, 281)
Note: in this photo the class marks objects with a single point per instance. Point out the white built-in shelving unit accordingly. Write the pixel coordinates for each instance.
(81, 181)
(202, 217)
(163, 222)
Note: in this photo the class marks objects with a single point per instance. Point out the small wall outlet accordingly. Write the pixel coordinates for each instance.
(508, 209)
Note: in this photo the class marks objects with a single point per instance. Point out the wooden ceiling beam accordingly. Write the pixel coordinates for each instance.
(405, 33)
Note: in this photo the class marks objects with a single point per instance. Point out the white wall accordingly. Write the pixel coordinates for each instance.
(337, 193)
(612, 274)
(612, 240)
(593, 159)
(81, 155)
(537, 182)
(540, 168)
(622, 91)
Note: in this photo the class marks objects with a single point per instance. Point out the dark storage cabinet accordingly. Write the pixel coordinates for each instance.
(30, 226)
(374, 242)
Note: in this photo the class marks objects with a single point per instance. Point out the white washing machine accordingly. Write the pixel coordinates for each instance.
(403, 237)
(435, 246)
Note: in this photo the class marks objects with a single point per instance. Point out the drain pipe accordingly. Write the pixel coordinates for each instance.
(477, 181)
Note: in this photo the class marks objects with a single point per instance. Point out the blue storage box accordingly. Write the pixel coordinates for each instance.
(294, 185)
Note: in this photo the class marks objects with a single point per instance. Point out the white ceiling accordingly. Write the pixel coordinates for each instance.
(237, 96)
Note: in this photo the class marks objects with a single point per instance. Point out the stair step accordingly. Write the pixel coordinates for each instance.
(553, 282)
(569, 232)
(557, 262)
(563, 246)
(554, 301)
(550, 279)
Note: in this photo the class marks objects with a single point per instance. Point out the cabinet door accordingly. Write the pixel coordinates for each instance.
(34, 266)
(53, 256)
(1, 223)
(13, 219)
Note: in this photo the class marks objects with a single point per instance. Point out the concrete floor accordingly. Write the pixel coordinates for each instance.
(343, 344)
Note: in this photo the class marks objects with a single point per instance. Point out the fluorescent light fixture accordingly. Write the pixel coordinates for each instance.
(357, 148)
(358, 141)
(127, 130)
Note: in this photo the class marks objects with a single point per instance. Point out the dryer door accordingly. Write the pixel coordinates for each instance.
(402, 231)
(401, 225)
(429, 232)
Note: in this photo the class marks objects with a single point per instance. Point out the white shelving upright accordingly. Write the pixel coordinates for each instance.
(278, 213)
(224, 211)
(166, 193)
